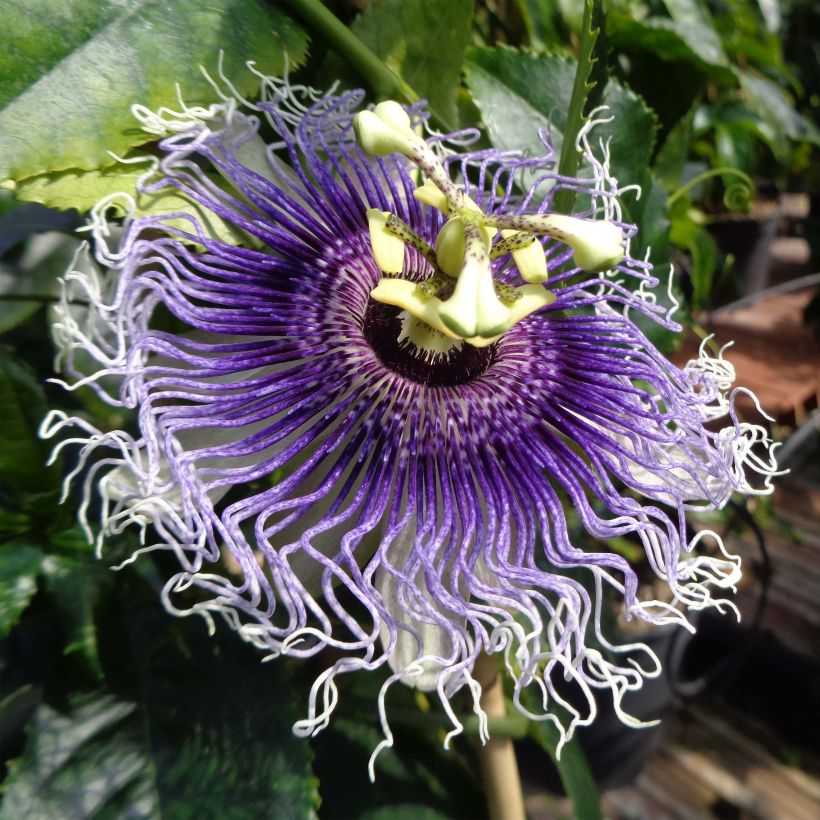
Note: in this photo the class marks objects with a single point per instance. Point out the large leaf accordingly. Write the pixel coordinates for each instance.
(19, 565)
(671, 159)
(74, 68)
(519, 93)
(422, 41)
(213, 745)
(75, 586)
(83, 189)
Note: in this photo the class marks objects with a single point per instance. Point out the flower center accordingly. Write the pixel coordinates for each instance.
(406, 350)
(474, 309)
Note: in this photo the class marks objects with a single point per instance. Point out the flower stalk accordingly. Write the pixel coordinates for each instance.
(499, 768)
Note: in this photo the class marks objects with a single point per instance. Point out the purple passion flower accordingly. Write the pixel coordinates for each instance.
(369, 373)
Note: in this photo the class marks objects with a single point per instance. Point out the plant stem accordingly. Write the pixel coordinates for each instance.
(499, 769)
(317, 18)
(570, 155)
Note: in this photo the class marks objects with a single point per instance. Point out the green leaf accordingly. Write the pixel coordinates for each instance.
(422, 41)
(632, 130)
(78, 764)
(694, 26)
(19, 565)
(518, 93)
(651, 212)
(83, 189)
(688, 234)
(23, 455)
(75, 68)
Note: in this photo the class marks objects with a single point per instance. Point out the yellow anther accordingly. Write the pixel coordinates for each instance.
(530, 260)
(597, 244)
(388, 249)
(393, 114)
(430, 194)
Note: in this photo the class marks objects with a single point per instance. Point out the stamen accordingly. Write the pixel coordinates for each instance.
(597, 245)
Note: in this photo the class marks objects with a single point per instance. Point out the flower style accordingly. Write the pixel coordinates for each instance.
(370, 371)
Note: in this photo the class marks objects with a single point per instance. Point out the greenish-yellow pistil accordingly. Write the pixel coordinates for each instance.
(461, 301)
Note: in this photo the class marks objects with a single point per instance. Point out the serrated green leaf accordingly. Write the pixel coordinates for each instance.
(632, 130)
(19, 565)
(75, 67)
(517, 93)
(423, 42)
(22, 454)
(83, 189)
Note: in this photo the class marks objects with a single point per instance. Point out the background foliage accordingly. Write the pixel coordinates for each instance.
(108, 707)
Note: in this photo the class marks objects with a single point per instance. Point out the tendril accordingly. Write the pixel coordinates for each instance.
(736, 197)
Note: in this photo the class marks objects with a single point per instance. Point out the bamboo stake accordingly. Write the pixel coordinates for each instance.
(499, 769)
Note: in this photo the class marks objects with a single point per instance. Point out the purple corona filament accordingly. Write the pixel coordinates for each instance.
(323, 482)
